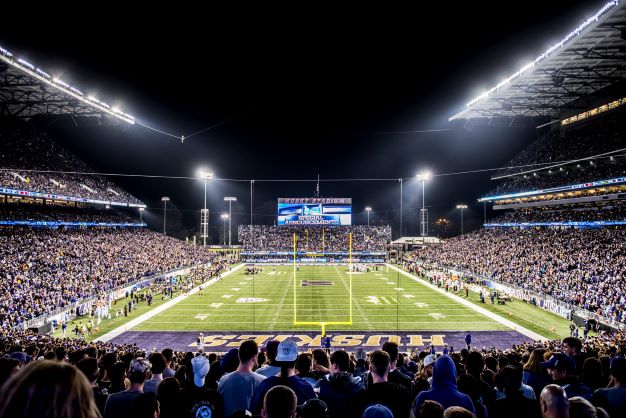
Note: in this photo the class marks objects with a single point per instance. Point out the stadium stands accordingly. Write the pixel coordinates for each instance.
(489, 379)
(46, 269)
(601, 136)
(24, 147)
(314, 239)
(609, 212)
(582, 267)
(31, 212)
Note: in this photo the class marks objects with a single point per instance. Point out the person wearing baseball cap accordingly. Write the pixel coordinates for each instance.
(427, 369)
(286, 356)
(197, 400)
(118, 404)
(562, 369)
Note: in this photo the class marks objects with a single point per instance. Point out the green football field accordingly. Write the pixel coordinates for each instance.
(281, 299)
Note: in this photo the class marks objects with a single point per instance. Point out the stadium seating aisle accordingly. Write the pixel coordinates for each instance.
(46, 269)
(24, 147)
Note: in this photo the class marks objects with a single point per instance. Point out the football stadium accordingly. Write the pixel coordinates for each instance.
(317, 224)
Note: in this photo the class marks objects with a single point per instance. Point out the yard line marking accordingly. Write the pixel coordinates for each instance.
(510, 324)
(144, 317)
(355, 301)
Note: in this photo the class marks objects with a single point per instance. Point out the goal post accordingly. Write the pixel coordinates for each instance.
(322, 321)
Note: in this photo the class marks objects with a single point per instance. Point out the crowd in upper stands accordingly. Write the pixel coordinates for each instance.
(602, 136)
(24, 147)
(48, 213)
(72, 378)
(314, 239)
(46, 269)
(586, 268)
(610, 212)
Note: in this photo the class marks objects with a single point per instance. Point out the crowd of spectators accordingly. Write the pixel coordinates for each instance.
(46, 269)
(609, 212)
(602, 136)
(50, 213)
(314, 239)
(72, 378)
(24, 147)
(582, 267)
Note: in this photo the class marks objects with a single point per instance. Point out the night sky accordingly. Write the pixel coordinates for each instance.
(306, 91)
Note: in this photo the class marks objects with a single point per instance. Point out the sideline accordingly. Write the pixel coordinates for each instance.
(144, 317)
(524, 331)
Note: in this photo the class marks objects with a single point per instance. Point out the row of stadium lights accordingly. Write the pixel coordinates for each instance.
(62, 85)
(545, 55)
(206, 175)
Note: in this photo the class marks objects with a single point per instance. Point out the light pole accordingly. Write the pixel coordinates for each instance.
(230, 200)
(462, 207)
(204, 216)
(141, 214)
(423, 176)
(368, 210)
(164, 199)
(224, 216)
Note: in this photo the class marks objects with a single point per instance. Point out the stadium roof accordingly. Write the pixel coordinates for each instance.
(27, 91)
(591, 57)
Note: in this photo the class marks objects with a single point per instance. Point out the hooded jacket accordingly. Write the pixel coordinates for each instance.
(344, 395)
(443, 388)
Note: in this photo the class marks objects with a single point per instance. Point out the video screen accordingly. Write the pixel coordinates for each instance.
(315, 211)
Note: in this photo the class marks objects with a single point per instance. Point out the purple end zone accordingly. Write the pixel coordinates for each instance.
(223, 341)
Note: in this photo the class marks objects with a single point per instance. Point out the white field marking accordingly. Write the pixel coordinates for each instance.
(201, 317)
(430, 322)
(378, 274)
(408, 296)
(235, 289)
(391, 283)
(355, 301)
(374, 300)
(280, 306)
(421, 304)
(227, 296)
(524, 331)
(436, 315)
(399, 289)
(144, 317)
(394, 299)
(384, 278)
(385, 300)
(213, 305)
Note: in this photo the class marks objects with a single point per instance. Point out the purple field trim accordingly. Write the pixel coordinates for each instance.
(223, 341)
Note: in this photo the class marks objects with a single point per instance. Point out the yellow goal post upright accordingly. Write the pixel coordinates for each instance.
(322, 324)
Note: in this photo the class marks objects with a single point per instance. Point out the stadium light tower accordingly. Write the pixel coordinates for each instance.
(230, 200)
(368, 210)
(423, 176)
(164, 199)
(224, 216)
(462, 207)
(204, 214)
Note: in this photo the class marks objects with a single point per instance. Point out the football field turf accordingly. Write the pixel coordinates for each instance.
(382, 300)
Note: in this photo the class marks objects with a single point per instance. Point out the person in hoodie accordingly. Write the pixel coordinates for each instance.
(343, 394)
(443, 388)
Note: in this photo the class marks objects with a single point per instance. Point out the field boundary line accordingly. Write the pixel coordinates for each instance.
(515, 327)
(144, 317)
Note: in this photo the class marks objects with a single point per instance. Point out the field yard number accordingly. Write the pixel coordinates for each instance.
(436, 315)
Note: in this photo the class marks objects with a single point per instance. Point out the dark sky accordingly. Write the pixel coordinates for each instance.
(310, 90)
